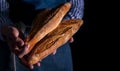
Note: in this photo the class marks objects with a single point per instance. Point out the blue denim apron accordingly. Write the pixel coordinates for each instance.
(62, 60)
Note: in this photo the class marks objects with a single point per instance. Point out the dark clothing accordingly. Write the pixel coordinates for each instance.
(25, 11)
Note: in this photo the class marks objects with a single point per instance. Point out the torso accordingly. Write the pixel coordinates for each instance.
(25, 10)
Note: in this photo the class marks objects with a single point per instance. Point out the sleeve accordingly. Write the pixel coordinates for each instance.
(76, 11)
(4, 20)
(4, 16)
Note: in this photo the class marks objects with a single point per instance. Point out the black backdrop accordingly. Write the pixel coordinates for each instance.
(84, 49)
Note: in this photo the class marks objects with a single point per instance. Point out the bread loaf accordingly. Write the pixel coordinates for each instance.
(45, 22)
(53, 40)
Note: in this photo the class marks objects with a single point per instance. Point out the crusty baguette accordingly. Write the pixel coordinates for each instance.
(38, 22)
(45, 23)
(53, 40)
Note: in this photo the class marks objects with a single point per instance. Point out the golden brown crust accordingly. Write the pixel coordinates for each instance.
(54, 35)
(54, 40)
(37, 23)
(49, 21)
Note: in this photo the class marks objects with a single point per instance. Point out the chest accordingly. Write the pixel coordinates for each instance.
(40, 4)
(25, 10)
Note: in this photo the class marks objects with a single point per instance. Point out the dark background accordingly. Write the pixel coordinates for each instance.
(85, 50)
(95, 45)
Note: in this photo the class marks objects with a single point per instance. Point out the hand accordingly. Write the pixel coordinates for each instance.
(14, 39)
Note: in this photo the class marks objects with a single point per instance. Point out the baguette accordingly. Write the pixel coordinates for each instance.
(44, 23)
(53, 40)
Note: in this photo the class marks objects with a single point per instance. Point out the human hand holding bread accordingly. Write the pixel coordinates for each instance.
(49, 31)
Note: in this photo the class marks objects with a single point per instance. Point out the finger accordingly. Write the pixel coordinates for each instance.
(71, 40)
(37, 64)
(10, 32)
(17, 49)
(23, 51)
(19, 41)
(54, 52)
(13, 33)
(11, 45)
(14, 49)
(31, 66)
(21, 35)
